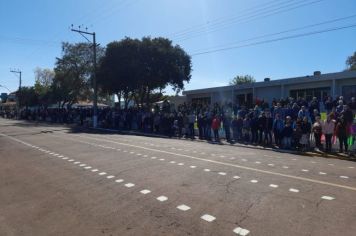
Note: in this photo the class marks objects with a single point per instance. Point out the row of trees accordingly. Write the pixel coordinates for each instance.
(134, 70)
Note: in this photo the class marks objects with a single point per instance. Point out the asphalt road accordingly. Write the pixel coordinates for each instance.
(55, 180)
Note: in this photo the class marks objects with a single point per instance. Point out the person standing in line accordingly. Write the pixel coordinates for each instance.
(191, 119)
(342, 133)
(278, 126)
(328, 128)
(306, 128)
(317, 130)
(215, 125)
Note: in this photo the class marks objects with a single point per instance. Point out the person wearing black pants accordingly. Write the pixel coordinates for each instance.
(342, 133)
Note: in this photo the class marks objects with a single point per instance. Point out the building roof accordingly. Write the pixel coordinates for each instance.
(287, 81)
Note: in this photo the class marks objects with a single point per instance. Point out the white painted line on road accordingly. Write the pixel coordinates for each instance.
(285, 167)
(222, 156)
(60, 156)
(208, 218)
(153, 157)
(241, 231)
(232, 158)
(273, 186)
(145, 156)
(304, 170)
(183, 207)
(293, 190)
(351, 167)
(132, 152)
(145, 191)
(119, 180)
(228, 164)
(172, 162)
(162, 198)
(236, 177)
(139, 154)
(82, 165)
(181, 164)
(77, 162)
(254, 181)
(222, 173)
(193, 167)
(243, 159)
(327, 198)
(110, 177)
(257, 162)
(162, 159)
(129, 185)
(344, 177)
(322, 173)
(87, 167)
(271, 164)
(65, 158)
(331, 164)
(70, 160)
(94, 170)
(207, 170)
(102, 173)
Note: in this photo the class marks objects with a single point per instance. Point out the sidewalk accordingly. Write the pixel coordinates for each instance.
(223, 142)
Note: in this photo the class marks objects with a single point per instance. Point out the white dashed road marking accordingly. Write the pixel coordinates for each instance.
(94, 170)
(293, 190)
(183, 207)
(222, 173)
(110, 177)
(230, 164)
(241, 231)
(254, 181)
(327, 198)
(208, 218)
(344, 177)
(273, 186)
(119, 180)
(207, 170)
(162, 198)
(102, 173)
(129, 185)
(145, 191)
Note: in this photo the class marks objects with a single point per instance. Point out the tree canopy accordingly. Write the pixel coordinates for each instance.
(242, 79)
(351, 62)
(73, 73)
(133, 68)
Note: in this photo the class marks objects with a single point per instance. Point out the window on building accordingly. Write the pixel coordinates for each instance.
(308, 94)
(349, 91)
(201, 101)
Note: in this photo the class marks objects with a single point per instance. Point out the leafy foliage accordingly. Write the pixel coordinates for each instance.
(244, 79)
(351, 62)
(134, 69)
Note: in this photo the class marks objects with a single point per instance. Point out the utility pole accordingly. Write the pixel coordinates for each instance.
(95, 87)
(19, 72)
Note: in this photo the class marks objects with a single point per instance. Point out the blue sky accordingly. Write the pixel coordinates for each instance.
(32, 32)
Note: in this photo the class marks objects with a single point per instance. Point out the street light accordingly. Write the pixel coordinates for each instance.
(95, 87)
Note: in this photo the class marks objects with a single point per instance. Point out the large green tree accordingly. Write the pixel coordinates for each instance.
(351, 62)
(242, 79)
(135, 69)
(73, 73)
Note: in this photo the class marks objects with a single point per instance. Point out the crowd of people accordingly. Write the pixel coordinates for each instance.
(285, 123)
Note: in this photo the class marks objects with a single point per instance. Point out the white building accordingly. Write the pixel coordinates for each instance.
(317, 85)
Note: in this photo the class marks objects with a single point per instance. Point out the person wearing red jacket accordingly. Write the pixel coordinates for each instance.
(215, 125)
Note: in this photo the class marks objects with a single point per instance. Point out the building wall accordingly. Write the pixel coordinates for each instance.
(268, 93)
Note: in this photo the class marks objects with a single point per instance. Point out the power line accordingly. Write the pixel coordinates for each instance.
(283, 32)
(262, 15)
(198, 26)
(277, 39)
